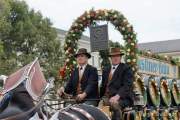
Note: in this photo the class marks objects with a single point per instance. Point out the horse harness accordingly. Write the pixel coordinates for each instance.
(79, 110)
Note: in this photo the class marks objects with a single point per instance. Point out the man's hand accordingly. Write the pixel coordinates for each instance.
(60, 91)
(81, 97)
(114, 100)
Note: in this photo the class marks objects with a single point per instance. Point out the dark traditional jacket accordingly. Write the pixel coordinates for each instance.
(89, 82)
(121, 83)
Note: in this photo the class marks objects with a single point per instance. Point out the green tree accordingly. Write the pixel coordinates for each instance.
(1, 48)
(27, 35)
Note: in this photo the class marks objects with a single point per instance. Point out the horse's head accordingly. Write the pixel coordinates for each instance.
(18, 102)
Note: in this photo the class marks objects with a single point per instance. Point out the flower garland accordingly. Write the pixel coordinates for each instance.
(165, 58)
(87, 19)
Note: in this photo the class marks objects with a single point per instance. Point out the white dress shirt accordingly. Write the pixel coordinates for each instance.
(83, 68)
(113, 68)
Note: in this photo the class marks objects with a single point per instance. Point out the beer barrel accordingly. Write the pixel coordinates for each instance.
(165, 94)
(153, 92)
(175, 92)
(139, 88)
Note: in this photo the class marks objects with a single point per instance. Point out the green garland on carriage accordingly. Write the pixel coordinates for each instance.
(85, 20)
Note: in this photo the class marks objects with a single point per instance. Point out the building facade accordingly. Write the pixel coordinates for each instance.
(168, 47)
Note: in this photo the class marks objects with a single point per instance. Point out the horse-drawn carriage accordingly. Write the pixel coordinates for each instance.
(24, 98)
(156, 98)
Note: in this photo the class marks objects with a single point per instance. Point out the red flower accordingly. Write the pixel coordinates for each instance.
(92, 14)
(62, 72)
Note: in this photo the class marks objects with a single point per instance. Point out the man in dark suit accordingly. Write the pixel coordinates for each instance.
(117, 84)
(83, 82)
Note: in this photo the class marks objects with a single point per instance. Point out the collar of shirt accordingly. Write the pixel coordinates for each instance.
(113, 68)
(83, 68)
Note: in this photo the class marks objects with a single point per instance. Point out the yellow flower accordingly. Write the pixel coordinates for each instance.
(106, 13)
(168, 90)
(97, 12)
(75, 24)
(88, 16)
(84, 18)
(132, 44)
(66, 52)
(115, 16)
(65, 45)
(128, 60)
(134, 60)
(133, 68)
(123, 28)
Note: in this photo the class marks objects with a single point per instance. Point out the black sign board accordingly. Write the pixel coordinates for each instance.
(99, 38)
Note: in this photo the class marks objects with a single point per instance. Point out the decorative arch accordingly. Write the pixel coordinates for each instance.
(88, 18)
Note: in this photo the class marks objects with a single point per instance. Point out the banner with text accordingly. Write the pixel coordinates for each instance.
(157, 67)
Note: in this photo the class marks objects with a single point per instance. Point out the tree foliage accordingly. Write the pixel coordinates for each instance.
(26, 34)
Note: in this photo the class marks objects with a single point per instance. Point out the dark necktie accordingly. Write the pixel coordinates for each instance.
(81, 68)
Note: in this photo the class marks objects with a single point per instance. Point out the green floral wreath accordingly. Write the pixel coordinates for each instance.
(87, 19)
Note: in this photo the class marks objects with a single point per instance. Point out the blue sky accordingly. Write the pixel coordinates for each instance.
(153, 20)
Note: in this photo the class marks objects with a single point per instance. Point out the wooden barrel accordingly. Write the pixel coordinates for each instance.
(165, 93)
(153, 94)
(175, 93)
(140, 89)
